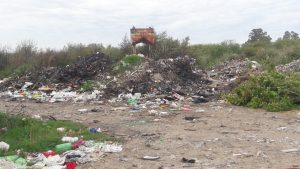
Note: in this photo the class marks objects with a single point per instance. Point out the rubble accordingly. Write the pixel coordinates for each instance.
(293, 66)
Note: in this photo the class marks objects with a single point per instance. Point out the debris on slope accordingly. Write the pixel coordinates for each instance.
(85, 68)
(294, 66)
(162, 76)
(155, 77)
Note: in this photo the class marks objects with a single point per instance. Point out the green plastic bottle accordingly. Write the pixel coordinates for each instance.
(63, 147)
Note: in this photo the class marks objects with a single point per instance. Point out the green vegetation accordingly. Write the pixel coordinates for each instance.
(87, 86)
(270, 91)
(32, 135)
(127, 62)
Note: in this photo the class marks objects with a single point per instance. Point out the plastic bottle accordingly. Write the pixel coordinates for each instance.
(63, 147)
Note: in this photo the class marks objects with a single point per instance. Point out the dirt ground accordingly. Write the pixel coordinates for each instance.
(220, 136)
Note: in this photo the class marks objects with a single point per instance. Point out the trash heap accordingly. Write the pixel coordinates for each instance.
(164, 76)
(233, 69)
(161, 77)
(294, 66)
(73, 75)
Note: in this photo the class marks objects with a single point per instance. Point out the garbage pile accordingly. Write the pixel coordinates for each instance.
(73, 75)
(233, 69)
(294, 66)
(165, 76)
(162, 76)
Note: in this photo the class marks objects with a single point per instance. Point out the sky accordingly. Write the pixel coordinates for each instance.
(55, 23)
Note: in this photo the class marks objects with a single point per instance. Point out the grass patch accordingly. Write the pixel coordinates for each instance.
(271, 91)
(127, 62)
(32, 135)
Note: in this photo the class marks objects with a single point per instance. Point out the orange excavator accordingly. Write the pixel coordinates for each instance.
(142, 35)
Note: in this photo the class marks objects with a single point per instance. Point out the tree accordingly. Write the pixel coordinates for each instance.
(125, 45)
(258, 35)
(287, 35)
(294, 35)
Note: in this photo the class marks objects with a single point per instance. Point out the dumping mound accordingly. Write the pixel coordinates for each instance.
(294, 66)
(84, 68)
(233, 69)
(162, 76)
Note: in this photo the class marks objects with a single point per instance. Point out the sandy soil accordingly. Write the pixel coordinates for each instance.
(220, 136)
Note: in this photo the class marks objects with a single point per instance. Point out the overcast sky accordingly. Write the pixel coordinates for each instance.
(54, 23)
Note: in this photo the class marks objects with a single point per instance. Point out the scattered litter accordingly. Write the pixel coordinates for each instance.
(151, 158)
(185, 160)
(95, 130)
(291, 150)
(281, 128)
(112, 148)
(82, 110)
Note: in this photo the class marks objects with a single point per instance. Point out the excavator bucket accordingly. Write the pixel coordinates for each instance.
(142, 35)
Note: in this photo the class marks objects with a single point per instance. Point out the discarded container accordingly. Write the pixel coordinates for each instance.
(71, 165)
(63, 147)
(49, 153)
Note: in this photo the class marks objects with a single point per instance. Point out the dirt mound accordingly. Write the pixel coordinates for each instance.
(84, 68)
(162, 76)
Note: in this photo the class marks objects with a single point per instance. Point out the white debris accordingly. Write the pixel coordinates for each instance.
(69, 139)
(54, 160)
(281, 128)
(26, 85)
(4, 146)
(290, 150)
(61, 129)
(82, 110)
(112, 148)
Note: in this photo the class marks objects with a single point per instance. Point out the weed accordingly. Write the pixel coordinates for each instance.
(271, 91)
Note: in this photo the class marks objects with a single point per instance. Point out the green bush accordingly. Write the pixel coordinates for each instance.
(127, 62)
(87, 86)
(270, 91)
